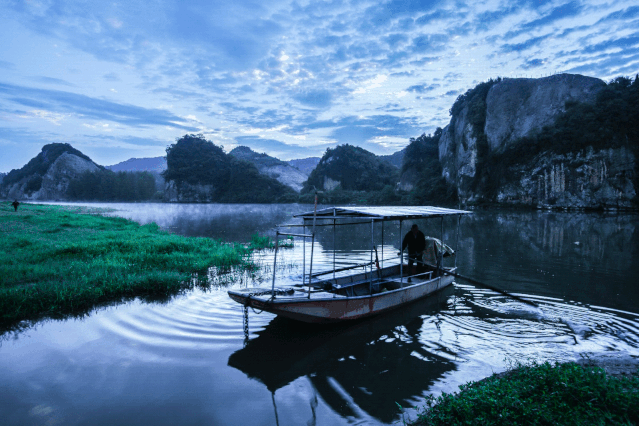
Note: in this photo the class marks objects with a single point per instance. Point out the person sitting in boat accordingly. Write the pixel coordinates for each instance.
(416, 243)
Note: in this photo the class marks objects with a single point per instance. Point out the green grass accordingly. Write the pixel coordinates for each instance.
(539, 394)
(56, 261)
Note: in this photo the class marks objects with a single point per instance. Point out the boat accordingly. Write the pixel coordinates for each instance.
(352, 296)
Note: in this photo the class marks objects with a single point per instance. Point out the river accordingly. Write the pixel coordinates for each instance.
(189, 362)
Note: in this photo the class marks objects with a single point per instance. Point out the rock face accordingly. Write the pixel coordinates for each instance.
(593, 179)
(47, 176)
(56, 181)
(515, 108)
(272, 167)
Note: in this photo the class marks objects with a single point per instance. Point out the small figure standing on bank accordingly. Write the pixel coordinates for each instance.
(15, 205)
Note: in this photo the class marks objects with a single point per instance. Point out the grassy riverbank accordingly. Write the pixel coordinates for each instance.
(56, 261)
(540, 394)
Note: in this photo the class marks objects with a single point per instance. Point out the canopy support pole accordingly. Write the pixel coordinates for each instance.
(372, 247)
(457, 239)
(441, 255)
(382, 245)
(334, 249)
(401, 256)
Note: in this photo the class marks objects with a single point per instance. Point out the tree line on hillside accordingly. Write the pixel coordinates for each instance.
(106, 185)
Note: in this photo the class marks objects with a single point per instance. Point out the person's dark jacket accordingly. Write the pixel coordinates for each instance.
(414, 243)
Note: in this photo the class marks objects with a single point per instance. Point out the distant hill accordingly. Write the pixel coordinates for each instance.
(47, 175)
(2, 175)
(395, 159)
(154, 164)
(61, 172)
(305, 165)
(351, 168)
(272, 167)
(200, 171)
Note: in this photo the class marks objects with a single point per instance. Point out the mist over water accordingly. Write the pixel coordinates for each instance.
(187, 361)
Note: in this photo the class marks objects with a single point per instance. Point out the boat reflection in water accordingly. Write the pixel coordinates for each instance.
(367, 365)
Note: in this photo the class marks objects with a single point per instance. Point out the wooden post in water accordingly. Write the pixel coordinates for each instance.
(441, 255)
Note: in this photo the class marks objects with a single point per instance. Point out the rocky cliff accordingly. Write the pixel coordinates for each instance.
(490, 122)
(47, 176)
(272, 167)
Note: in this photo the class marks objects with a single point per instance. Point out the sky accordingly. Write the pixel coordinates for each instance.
(120, 80)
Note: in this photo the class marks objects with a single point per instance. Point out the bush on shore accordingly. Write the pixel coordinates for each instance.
(539, 394)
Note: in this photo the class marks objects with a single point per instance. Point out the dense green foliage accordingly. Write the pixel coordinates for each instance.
(59, 260)
(611, 121)
(194, 161)
(540, 394)
(422, 159)
(106, 185)
(39, 165)
(355, 168)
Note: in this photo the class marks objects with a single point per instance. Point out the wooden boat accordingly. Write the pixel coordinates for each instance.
(358, 295)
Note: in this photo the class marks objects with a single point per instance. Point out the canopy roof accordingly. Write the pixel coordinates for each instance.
(382, 212)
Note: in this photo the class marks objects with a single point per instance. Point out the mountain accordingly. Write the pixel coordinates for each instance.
(2, 175)
(154, 164)
(564, 141)
(396, 159)
(47, 176)
(351, 168)
(272, 167)
(305, 165)
(200, 171)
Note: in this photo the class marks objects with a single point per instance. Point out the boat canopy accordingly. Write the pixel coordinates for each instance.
(381, 212)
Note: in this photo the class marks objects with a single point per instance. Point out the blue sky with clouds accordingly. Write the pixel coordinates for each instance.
(289, 78)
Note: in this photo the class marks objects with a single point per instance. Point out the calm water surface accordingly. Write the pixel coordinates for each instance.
(188, 362)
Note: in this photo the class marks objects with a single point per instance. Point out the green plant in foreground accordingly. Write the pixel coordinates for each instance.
(539, 394)
(56, 261)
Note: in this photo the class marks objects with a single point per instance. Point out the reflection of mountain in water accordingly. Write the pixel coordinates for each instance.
(372, 364)
(562, 255)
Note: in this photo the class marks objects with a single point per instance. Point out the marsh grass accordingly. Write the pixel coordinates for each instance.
(56, 261)
(539, 394)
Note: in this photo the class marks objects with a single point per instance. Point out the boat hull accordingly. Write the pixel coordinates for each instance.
(324, 307)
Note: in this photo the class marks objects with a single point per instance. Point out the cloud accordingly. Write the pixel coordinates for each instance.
(561, 12)
(316, 98)
(519, 47)
(111, 77)
(533, 63)
(7, 65)
(422, 88)
(50, 80)
(66, 102)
